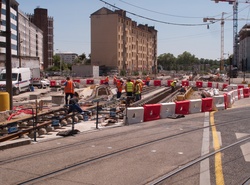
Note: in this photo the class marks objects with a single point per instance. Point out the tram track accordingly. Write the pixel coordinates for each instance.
(123, 150)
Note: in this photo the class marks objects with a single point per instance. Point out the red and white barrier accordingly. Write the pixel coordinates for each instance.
(182, 107)
(207, 104)
(219, 102)
(152, 112)
(195, 106)
(134, 115)
(167, 109)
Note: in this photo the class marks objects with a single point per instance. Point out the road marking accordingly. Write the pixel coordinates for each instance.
(204, 165)
(245, 148)
(218, 162)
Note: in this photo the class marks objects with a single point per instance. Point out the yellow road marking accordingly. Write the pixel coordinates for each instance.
(218, 163)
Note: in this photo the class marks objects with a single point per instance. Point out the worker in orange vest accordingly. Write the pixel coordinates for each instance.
(115, 80)
(69, 87)
(147, 80)
(119, 86)
(106, 81)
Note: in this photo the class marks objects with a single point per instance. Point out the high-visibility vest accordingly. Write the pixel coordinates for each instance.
(106, 79)
(129, 87)
(173, 84)
(137, 88)
(119, 86)
(147, 79)
(69, 87)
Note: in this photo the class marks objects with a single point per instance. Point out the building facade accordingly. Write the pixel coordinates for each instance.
(119, 43)
(68, 57)
(244, 48)
(41, 19)
(30, 47)
(14, 31)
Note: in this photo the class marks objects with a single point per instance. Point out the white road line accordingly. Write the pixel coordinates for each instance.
(204, 166)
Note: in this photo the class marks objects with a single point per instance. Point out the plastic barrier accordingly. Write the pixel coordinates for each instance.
(134, 115)
(76, 81)
(185, 83)
(219, 102)
(152, 112)
(246, 92)
(209, 84)
(230, 99)
(232, 87)
(215, 85)
(235, 95)
(224, 86)
(62, 82)
(192, 83)
(90, 81)
(240, 86)
(205, 84)
(182, 107)
(240, 93)
(157, 82)
(167, 109)
(102, 82)
(207, 104)
(199, 84)
(195, 106)
(52, 83)
(83, 81)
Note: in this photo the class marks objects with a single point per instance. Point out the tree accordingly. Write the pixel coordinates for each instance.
(167, 61)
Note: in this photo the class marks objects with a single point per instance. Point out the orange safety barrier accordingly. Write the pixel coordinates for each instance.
(240, 86)
(185, 83)
(90, 81)
(157, 83)
(209, 84)
(225, 100)
(182, 107)
(246, 92)
(152, 112)
(52, 83)
(199, 84)
(224, 86)
(169, 82)
(207, 104)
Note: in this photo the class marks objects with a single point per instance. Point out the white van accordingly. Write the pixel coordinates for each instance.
(20, 80)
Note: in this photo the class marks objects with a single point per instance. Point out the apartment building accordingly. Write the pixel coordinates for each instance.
(41, 19)
(67, 57)
(244, 48)
(30, 47)
(117, 42)
(14, 31)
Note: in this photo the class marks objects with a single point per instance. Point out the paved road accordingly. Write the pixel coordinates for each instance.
(140, 153)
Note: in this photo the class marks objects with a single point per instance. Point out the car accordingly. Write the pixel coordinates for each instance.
(45, 83)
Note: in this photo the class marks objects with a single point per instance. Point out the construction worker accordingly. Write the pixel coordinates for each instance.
(115, 80)
(173, 85)
(106, 81)
(141, 86)
(119, 86)
(68, 89)
(147, 80)
(137, 90)
(129, 87)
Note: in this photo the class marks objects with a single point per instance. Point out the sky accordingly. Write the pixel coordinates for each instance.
(179, 23)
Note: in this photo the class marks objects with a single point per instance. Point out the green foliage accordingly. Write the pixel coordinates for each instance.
(122, 73)
(186, 61)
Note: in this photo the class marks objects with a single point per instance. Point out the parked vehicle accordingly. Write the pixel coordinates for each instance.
(20, 80)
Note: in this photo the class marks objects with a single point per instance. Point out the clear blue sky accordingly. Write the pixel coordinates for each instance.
(72, 23)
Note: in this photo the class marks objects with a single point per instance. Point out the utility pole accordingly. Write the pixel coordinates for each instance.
(8, 62)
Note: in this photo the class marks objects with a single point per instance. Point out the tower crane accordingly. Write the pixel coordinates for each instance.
(222, 37)
(235, 26)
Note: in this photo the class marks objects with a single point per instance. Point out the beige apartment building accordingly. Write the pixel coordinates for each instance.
(119, 43)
